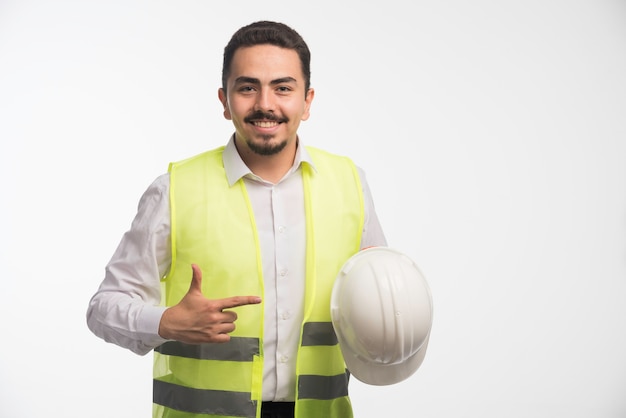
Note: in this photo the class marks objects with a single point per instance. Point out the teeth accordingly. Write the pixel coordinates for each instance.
(265, 124)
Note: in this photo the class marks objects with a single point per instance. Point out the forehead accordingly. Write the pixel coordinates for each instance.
(266, 62)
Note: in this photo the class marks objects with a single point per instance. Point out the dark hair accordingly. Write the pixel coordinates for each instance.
(272, 33)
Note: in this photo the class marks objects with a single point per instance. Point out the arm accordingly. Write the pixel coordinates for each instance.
(125, 310)
(373, 235)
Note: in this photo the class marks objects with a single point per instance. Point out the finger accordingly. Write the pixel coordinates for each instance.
(219, 338)
(235, 301)
(226, 328)
(196, 279)
(227, 316)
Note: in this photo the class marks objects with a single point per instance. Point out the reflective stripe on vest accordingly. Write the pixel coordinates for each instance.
(237, 349)
(219, 234)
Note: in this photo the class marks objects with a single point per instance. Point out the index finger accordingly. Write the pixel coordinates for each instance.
(235, 301)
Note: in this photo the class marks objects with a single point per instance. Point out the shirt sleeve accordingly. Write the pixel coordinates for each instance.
(373, 235)
(126, 309)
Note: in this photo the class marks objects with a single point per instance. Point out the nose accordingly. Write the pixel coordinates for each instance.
(264, 101)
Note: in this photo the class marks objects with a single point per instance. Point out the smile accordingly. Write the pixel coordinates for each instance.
(265, 123)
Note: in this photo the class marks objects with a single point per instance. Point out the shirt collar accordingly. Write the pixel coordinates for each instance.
(235, 167)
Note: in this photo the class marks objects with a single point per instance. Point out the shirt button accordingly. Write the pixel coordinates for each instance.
(281, 229)
(283, 272)
(286, 315)
(283, 359)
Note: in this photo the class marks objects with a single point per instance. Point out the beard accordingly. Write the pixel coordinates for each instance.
(265, 147)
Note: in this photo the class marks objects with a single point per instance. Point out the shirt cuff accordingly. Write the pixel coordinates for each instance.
(148, 325)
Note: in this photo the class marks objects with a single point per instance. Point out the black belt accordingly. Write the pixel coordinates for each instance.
(277, 409)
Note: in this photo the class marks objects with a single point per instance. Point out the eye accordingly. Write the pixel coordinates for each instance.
(246, 89)
(284, 89)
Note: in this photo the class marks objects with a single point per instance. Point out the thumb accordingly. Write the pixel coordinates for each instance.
(196, 279)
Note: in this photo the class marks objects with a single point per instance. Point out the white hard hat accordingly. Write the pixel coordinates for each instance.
(382, 312)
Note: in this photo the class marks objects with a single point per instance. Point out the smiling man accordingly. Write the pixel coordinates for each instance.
(266, 95)
(227, 269)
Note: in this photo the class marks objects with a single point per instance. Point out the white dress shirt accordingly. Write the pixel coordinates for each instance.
(125, 310)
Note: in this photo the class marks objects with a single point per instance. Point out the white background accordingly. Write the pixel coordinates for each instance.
(493, 134)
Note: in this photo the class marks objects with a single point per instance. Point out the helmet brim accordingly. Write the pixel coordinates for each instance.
(383, 374)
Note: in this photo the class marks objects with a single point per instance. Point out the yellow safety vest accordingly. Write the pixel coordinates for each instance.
(212, 225)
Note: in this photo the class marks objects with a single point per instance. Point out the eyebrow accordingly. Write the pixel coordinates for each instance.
(252, 80)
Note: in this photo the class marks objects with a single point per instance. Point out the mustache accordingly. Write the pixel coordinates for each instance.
(260, 115)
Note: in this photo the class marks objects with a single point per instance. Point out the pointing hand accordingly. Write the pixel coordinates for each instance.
(196, 319)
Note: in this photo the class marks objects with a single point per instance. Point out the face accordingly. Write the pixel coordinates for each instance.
(265, 98)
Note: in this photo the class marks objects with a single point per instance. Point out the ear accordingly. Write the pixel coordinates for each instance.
(308, 99)
(221, 94)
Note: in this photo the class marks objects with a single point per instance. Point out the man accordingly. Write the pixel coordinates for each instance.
(253, 232)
